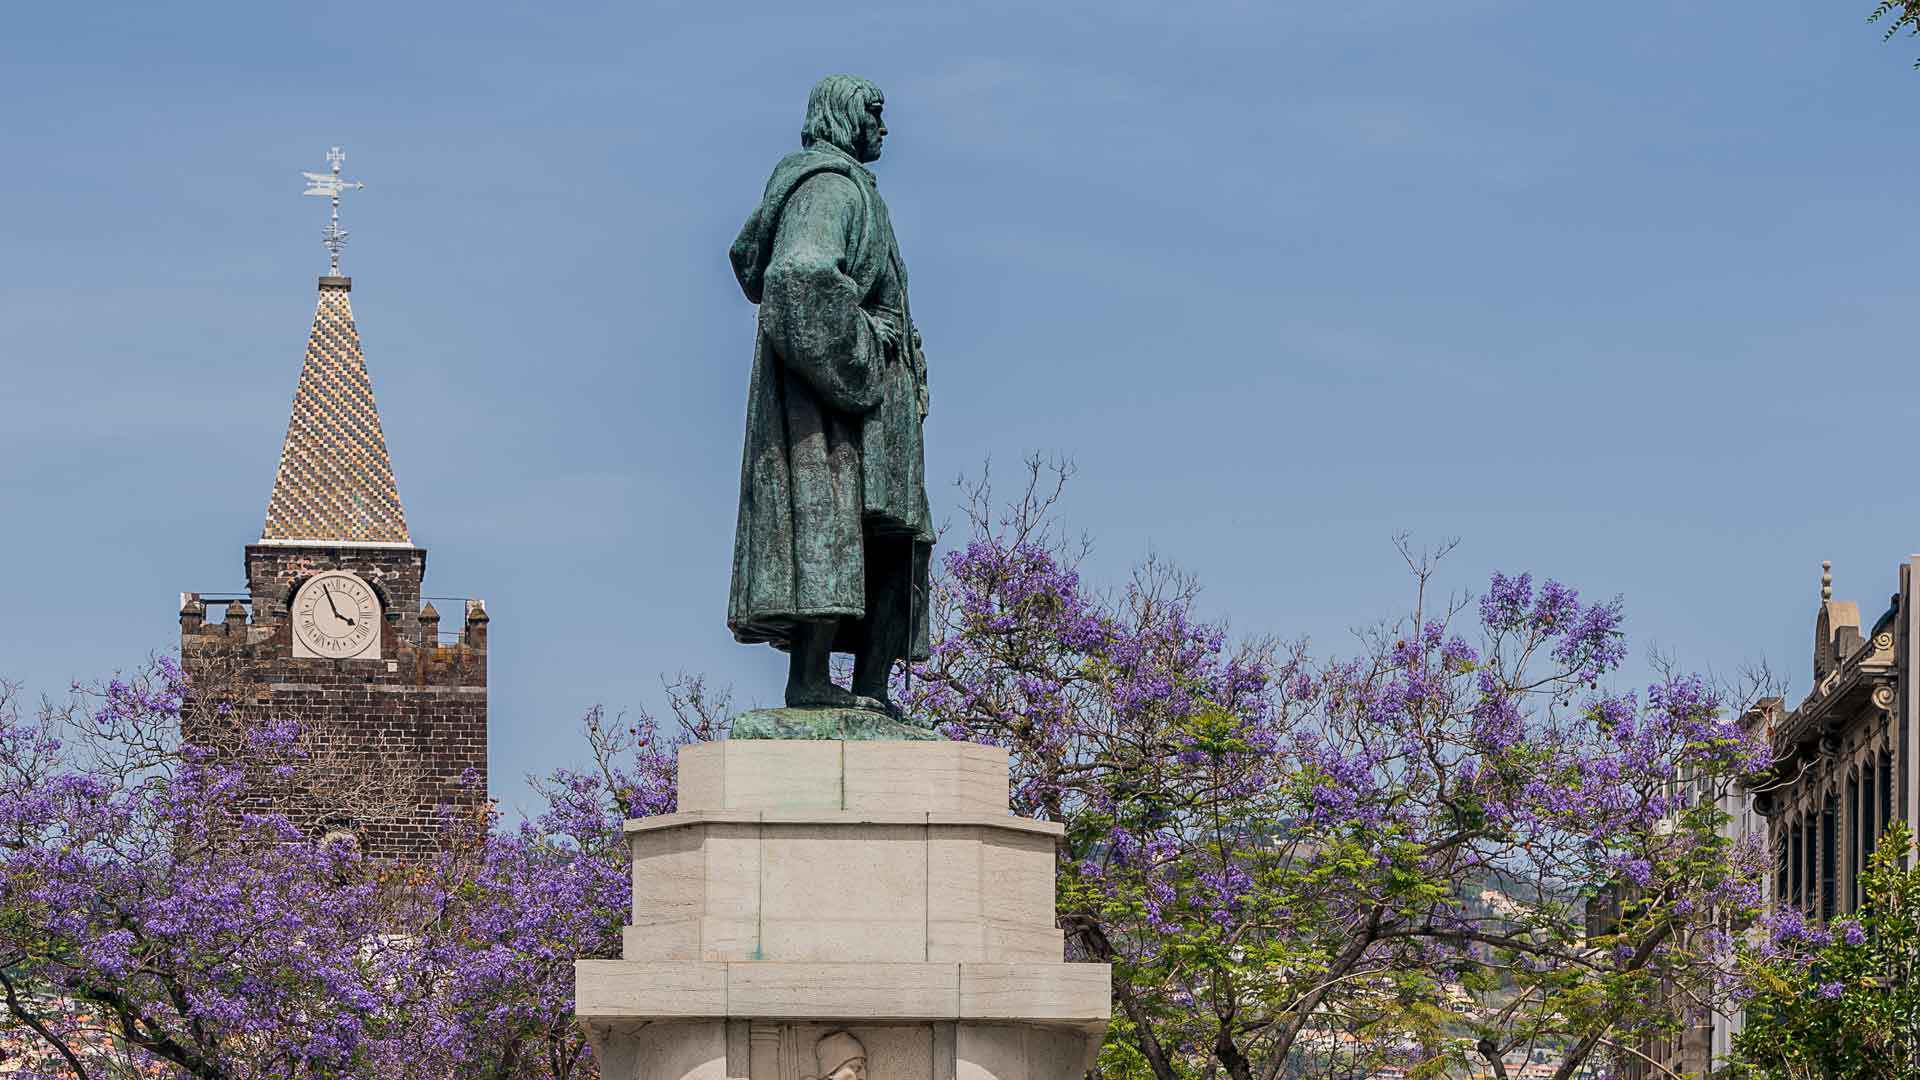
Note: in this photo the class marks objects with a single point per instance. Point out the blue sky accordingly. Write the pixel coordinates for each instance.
(1618, 295)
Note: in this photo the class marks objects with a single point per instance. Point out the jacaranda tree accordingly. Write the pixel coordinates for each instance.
(1303, 868)
(154, 923)
(1297, 866)
(1841, 1001)
(1899, 16)
(148, 921)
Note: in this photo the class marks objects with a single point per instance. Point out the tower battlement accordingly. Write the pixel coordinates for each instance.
(420, 656)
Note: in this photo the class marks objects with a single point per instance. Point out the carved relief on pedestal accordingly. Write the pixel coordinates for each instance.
(782, 1050)
(849, 1058)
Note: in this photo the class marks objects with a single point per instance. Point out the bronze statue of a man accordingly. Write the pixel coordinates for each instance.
(834, 533)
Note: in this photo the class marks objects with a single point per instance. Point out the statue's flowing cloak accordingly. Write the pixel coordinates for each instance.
(834, 435)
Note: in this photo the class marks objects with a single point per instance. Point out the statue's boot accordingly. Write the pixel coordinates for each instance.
(810, 685)
(830, 696)
(871, 668)
(882, 704)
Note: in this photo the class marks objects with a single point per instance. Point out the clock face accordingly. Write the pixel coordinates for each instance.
(336, 615)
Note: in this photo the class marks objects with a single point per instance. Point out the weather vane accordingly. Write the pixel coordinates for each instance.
(330, 185)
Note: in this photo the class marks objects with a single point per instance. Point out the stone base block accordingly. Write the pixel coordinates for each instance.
(814, 774)
(1049, 994)
(780, 1050)
(792, 1050)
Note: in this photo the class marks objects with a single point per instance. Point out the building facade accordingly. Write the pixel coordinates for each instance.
(1843, 769)
(332, 633)
(1844, 754)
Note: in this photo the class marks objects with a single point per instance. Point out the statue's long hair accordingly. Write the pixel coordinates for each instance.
(834, 110)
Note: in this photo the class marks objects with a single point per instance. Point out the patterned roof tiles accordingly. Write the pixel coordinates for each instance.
(335, 481)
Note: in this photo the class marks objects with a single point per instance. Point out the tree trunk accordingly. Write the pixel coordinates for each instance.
(1341, 966)
(18, 1009)
(1223, 1048)
(1584, 1048)
(1095, 937)
(1491, 1051)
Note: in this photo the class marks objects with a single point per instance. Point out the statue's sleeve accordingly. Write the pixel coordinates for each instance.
(812, 303)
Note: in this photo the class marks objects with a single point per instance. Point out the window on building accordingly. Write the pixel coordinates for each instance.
(1886, 790)
(1856, 840)
(1795, 893)
(1810, 868)
(1830, 856)
(1869, 820)
(1782, 870)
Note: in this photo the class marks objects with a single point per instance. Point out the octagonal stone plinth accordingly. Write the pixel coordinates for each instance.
(842, 851)
(877, 890)
(842, 885)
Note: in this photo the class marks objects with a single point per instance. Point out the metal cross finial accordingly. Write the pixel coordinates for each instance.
(330, 186)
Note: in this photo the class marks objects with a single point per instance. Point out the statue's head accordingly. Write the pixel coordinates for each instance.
(840, 1057)
(844, 110)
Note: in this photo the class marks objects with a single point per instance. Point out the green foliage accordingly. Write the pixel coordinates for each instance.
(1840, 1003)
(1362, 865)
(1898, 15)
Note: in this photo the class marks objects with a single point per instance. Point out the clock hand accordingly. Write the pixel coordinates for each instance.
(328, 593)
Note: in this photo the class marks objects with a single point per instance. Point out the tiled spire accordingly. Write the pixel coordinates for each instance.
(335, 481)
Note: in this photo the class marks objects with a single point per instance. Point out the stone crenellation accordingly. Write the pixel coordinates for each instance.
(417, 714)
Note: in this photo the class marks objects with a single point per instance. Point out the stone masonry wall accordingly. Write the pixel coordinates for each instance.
(389, 740)
(275, 571)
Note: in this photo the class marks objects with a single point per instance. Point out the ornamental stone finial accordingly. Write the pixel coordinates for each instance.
(1826, 581)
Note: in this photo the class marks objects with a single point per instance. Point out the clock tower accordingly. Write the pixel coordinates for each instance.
(332, 633)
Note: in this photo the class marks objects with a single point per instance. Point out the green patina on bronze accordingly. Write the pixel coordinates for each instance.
(853, 725)
(834, 535)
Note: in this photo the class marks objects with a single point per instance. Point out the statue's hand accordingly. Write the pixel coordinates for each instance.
(920, 373)
(883, 329)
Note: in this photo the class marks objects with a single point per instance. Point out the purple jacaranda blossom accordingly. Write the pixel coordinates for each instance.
(1787, 925)
(1507, 601)
(1457, 655)
(1251, 834)
(229, 942)
(1246, 818)
(1790, 976)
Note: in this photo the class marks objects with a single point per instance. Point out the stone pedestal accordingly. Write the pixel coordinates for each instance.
(808, 891)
